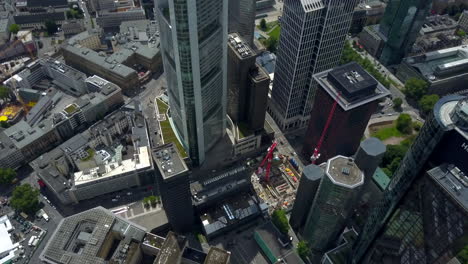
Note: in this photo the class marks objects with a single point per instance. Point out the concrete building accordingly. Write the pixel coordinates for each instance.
(174, 186)
(108, 19)
(442, 140)
(121, 67)
(308, 185)
(90, 39)
(400, 26)
(242, 19)
(247, 85)
(194, 51)
(313, 33)
(96, 236)
(95, 162)
(52, 121)
(333, 203)
(4, 29)
(444, 70)
(8, 247)
(72, 27)
(264, 4)
(99, 236)
(463, 21)
(357, 94)
(37, 20)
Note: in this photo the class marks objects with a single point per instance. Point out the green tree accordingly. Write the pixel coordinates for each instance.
(7, 175)
(51, 27)
(303, 249)
(388, 172)
(25, 198)
(271, 44)
(14, 28)
(4, 92)
(152, 199)
(393, 152)
(397, 102)
(280, 221)
(461, 33)
(427, 103)
(415, 88)
(404, 124)
(394, 165)
(263, 24)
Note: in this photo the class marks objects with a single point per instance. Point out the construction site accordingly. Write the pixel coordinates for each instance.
(276, 180)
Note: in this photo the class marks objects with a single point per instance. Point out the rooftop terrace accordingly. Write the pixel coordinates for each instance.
(168, 134)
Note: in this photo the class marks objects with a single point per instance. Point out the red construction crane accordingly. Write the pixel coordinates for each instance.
(268, 158)
(316, 154)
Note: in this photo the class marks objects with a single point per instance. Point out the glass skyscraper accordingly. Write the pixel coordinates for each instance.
(312, 37)
(194, 50)
(400, 26)
(442, 139)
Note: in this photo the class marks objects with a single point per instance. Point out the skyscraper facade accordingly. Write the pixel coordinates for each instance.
(400, 26)
(312, 37)
(194, 49)
(333, 203)
(442, 139)
(242, 19)
(358, 99)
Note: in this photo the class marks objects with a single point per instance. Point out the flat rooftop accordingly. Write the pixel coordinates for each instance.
(240, 46)
(169, 161)
(443, 112)
(453, 181)
(85, 238)
(171, 250)
(217, 256)
(440, 64)
(141, 160)
(343, 171)
(355, 86)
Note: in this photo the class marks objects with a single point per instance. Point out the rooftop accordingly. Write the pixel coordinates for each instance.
(217, 256)
(344, 172)
(240, 46)
(453, 181)
(87, 238)
(312, 5)
(381, 179)
(452, 112)
(440, 64)
(355, 86)
(171, 250)
(169, 161)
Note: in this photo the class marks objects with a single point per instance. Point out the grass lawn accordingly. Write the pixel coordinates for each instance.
(387, 132)
(275, 33)
(166, 129)
(269, 26)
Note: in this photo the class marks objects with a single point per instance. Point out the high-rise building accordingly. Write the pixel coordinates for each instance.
(358, 98)
(194, 48)
(333, 203)
(312, 37)
(308, 185)
(400, 26)
(248, 85)
(242, 19)
(442, 139)
(174, 186)
(430, 223)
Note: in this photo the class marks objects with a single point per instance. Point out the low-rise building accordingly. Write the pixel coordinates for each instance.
(7, 246)
(72, 27)
(129, 65)
(96, 161)
(113, 19)
(445, 70)
(37, 20)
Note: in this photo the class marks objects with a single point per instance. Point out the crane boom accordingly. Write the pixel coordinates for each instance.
(268, 158)
(316, 154)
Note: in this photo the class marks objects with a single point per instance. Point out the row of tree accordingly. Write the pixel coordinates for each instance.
(417, 90)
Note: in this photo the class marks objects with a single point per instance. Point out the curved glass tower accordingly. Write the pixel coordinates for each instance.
(194, 49)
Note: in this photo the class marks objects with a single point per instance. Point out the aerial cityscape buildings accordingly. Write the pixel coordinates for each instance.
(223, 131)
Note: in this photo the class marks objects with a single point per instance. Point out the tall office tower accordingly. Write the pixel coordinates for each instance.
(358, 100)
(313, 33)
(333, 203)
(442, 139)
(242, 19)
(248, 85)
(308, 185)
(430, 223)
(174, 186)
(368, 157)
(400, 26)
(194, 49)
